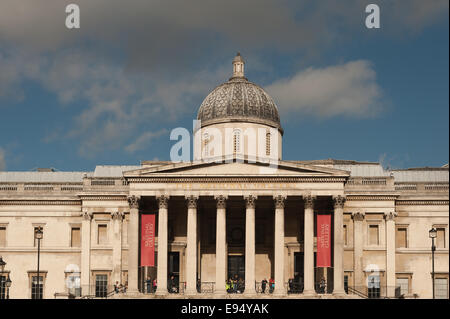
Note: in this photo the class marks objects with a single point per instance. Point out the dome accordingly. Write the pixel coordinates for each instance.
(239, 100)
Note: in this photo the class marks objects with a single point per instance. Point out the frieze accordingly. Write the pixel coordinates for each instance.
(371, 197)
(244, 182)
(39, 202)
(422, 202)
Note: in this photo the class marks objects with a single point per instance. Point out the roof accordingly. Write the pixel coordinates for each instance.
(421, 174)
(113, 171)
(43, 177)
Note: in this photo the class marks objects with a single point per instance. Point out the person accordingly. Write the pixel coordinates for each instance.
(271, 285)
(322, 285)
(155, 284)
(120, 288)
(263, 285)
(125, 287)
(116, 287)
(291, 285)
(148, 283)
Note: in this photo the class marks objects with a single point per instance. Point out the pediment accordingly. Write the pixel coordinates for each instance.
(237, 168)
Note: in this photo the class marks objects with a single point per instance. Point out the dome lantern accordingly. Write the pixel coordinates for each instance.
(238, 66)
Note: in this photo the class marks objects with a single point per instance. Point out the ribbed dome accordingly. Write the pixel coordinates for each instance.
(239, 100)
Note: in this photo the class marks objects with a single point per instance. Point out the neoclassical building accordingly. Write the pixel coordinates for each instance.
(236, 211)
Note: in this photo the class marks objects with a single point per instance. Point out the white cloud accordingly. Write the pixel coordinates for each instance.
(349, 89)
(2, 160)
(144, 140)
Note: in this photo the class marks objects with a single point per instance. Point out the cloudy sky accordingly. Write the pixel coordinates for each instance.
(111, 91)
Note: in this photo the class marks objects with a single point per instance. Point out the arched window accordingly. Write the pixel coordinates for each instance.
(236, 141)
(268, 143)
(206, 144)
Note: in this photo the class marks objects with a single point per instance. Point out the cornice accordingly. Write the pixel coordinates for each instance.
(103, 197)
(247, 179)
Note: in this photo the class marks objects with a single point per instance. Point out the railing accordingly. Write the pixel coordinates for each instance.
(381, 292)
(206, 287)
(91, 291)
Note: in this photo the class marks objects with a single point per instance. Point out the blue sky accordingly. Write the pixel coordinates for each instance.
(110, 92)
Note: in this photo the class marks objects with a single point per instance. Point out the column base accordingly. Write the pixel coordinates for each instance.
(161, 292)
(309, 293)
(339, 293)
(191, 292)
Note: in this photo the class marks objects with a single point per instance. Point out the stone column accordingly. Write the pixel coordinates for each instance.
(358, 243)
(250, 245)
(221, 243)
(133, 244)
(308, 246)
(338, 245)
(191, 249)
(390, 253)
(86, 252)
(279, 245)
(163, 202)
(117, 218)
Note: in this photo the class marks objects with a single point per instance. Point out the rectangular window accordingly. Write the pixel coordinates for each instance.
(101, 285)
(441, 288)
(373, 235)
(37, 289)
(75, 238)
(403, 283)
(2, 287)
(345, 235)
(102, 235)
(2, 236)
(400, 238)
(373, 286)
(440, 238)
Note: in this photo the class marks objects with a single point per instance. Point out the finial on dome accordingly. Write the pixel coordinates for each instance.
(238, 66)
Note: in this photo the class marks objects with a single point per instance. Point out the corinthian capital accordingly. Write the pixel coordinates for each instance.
(134, 201)
(163, 201)
(221, 201)
(280, 200)
(338, 201)
(309, 201)
(117, 215)
(358, 216)
(192, 201)
(390, 215)
(250, 201)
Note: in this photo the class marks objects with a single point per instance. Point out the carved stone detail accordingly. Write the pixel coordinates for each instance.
(221, 201)
(134, 201)
(250, 201)
(390, 215)
(163, 201)
(87, 215)
(117, 215)
(192, 201)
(338, 201)
(309, 201)
(358, 216)
(279, 201)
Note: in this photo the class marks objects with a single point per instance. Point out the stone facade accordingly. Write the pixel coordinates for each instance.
(233, 217)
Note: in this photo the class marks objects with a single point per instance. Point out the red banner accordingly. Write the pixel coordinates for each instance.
(148, 240)
(324, 240)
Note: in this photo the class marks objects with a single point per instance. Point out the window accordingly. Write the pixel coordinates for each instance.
(75, 238)
(403, 283)
(236, 142)
(373, 286)
(101, 285)
(346, 283)
(373, 235)
(401, 238)
(37, 288)
(345, 235)
(440, 238)
(268, 143)
(2, 236)
(441, 288)
(73, 283)
(2, 287)
(102, 235)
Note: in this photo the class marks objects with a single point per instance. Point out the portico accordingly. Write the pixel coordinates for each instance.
(236, 212)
